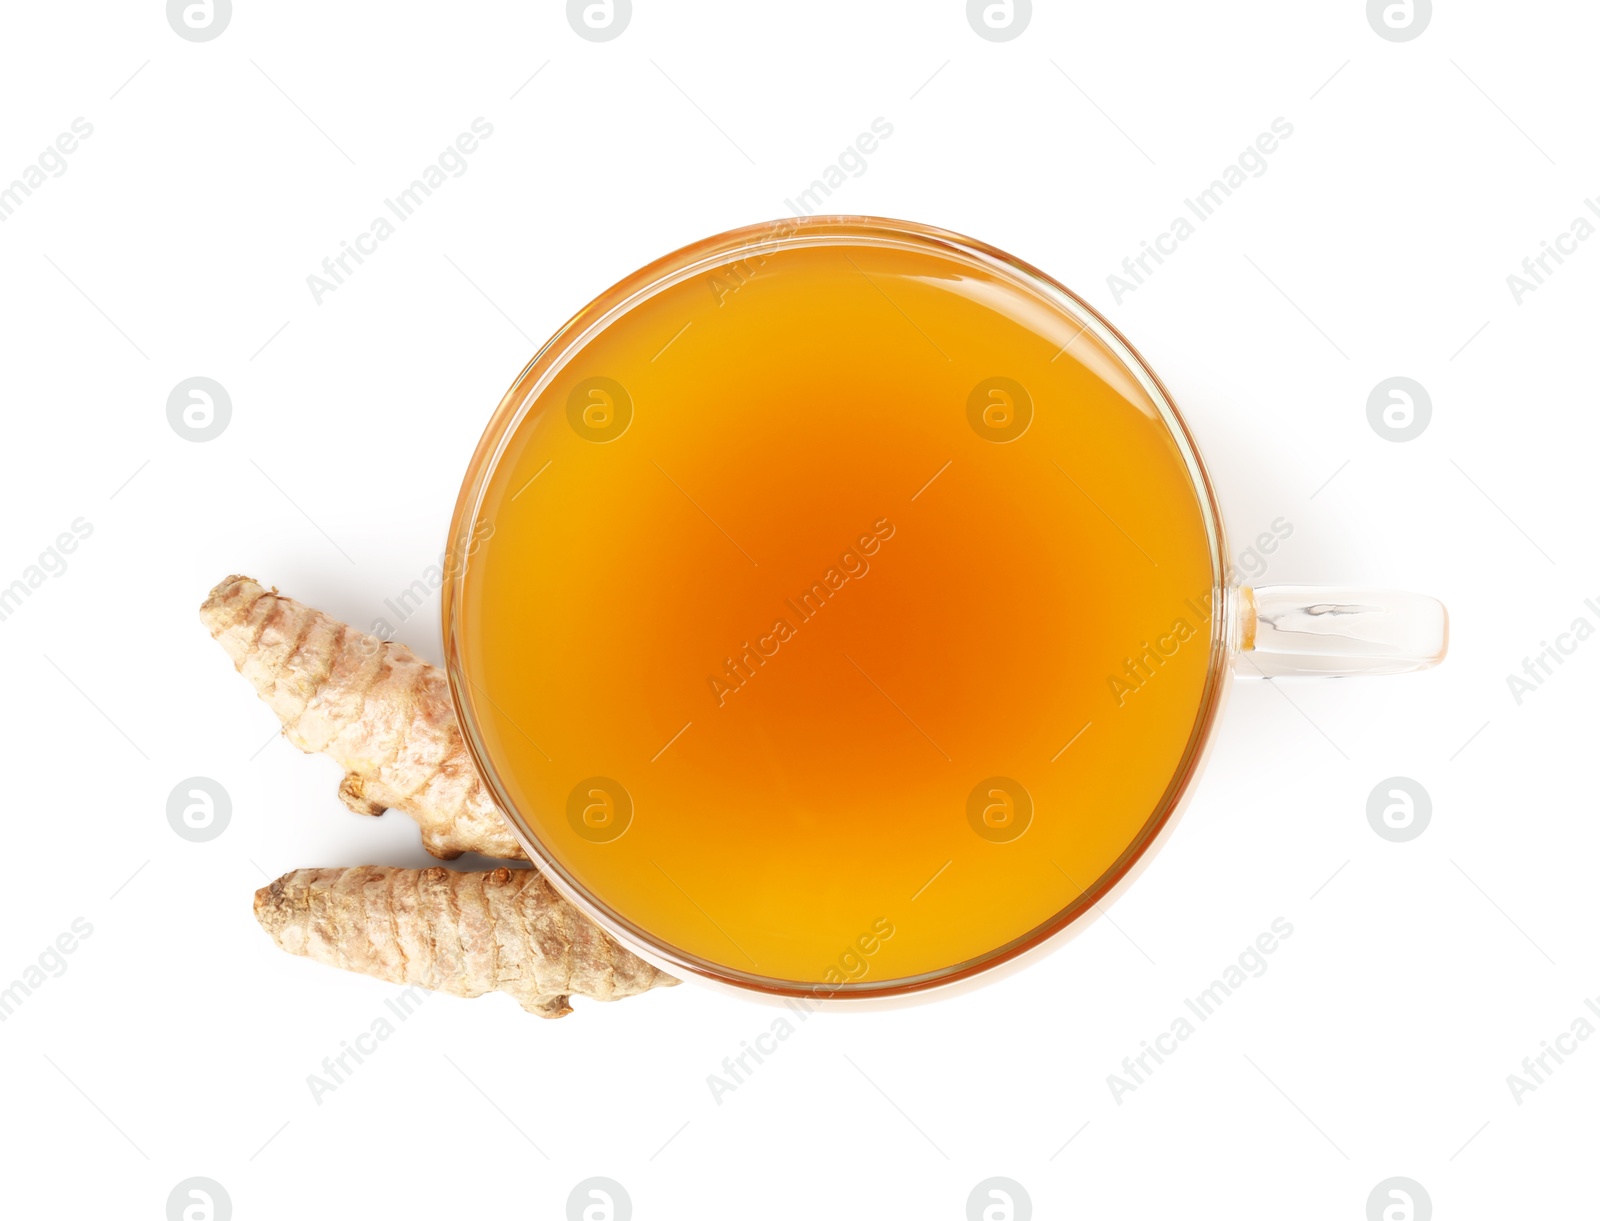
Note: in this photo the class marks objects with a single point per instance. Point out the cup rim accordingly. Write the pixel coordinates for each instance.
(695, 259)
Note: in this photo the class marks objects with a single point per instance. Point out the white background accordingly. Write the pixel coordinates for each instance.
(178, 242)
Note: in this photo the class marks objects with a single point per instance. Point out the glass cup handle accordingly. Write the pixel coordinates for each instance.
(1312, 629)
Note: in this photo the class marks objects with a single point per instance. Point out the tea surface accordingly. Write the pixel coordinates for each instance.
(840, 615)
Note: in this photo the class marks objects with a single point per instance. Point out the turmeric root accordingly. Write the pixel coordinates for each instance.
(463, 933)
(378, 710)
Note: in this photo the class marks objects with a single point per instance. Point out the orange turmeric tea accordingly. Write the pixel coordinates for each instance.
(841, 613)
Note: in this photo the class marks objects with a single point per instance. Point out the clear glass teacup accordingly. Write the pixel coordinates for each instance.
(842, 610)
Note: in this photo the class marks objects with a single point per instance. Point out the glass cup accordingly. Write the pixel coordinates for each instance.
(1255, 632)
